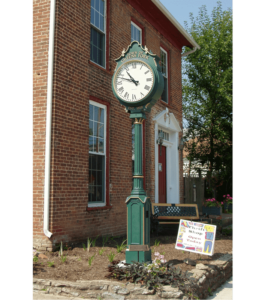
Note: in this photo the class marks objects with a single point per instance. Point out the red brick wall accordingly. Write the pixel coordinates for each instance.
(41, 19)
(75, 80)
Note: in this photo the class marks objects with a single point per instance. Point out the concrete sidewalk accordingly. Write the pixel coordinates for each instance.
(224, 292)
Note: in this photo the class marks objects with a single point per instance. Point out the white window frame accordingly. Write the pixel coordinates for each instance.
(102, 154)
(166, 75)
(104, 32)
(140, 29)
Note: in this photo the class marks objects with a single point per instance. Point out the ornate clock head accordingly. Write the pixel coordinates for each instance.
(133, 80)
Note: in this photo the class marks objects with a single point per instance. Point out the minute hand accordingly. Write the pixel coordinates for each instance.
(134, 81)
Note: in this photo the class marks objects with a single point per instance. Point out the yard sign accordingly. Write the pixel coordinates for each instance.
(196, 237)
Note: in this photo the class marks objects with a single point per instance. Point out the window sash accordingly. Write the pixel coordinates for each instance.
(164, 65)
(134, 29)
(97, 174)
(98, 15)
(98, 33)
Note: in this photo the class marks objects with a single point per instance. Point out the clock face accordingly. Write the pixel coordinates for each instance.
(133, 81)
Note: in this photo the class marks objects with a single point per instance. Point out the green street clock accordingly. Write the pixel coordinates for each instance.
(137, 80)
(138, 83)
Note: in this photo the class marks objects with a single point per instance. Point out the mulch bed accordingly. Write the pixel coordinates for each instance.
(76, 266)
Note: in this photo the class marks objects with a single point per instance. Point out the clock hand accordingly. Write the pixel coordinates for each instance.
(125, 79)
(134, 81)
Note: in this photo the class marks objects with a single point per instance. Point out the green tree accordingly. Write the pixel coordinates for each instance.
(207, 91)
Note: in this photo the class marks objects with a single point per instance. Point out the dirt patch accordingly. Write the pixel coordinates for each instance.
(76, 266)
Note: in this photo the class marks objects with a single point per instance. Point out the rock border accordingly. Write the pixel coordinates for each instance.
(203, 278)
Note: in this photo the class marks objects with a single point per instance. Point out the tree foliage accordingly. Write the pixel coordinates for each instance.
(207, 90)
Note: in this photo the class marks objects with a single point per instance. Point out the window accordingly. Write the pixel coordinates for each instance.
(136, 33)
(98, 32)
(97, 154)
(164, 65)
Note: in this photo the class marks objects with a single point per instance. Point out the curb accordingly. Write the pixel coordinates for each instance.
(202, 279)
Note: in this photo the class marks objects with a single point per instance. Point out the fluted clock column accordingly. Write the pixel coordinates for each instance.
(138, 176)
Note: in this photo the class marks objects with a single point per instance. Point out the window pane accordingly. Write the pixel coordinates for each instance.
(97, 5)
(101, 27)
(96, 19)
(91, 143)
(96, 178)
(90, 127)
(164, 94)
(91, 112)
(101, 9)
(101, 145)
(92, 16)
(92, 3)
(96, 113)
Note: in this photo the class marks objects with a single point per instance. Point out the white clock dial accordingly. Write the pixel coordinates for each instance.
(133, 81)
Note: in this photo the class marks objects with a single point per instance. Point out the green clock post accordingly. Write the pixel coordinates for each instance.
(138, 83)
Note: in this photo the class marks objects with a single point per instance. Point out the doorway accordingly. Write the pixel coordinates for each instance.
(162, 177)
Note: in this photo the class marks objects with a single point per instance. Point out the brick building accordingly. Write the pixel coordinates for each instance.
(82, 160)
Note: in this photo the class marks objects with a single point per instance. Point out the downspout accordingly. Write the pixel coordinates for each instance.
(49, 123)
(189, 52)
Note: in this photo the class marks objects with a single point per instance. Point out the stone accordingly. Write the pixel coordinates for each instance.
(108, 295)
(202, 280)
(69, 291)
(97, 287)
(201, 267)
(91, 295)
(55, 290)
(43, 281)
(137, 291)
(123, 291)
(60, 284)
(169, 292)
(38, 287)
(148, 292)
(189, 261)
(222, 260)
(42, 256)
(119, 290)
(195, 274)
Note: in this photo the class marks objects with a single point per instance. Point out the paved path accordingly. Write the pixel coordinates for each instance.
(224, 292)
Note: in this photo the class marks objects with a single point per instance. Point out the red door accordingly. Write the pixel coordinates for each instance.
(162, 189)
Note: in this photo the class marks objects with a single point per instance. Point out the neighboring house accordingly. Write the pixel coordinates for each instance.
(82, 136)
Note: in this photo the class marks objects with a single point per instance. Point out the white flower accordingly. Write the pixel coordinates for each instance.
(157, 254)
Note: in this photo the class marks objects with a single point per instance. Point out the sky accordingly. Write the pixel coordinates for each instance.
(180, 9)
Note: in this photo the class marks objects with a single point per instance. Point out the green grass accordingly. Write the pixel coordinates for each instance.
(50, 263)
(63, 258)
(121, 247)
(111, 257)
(101, 251)
(157, 242)
(90, 260)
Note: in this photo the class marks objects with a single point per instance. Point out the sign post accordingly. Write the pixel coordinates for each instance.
(138, 83)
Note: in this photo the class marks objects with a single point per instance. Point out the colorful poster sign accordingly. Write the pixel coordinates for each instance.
(196, 237)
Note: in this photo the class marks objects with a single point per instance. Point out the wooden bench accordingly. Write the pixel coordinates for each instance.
(168, 213)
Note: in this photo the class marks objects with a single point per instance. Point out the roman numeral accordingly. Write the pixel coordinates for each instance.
(134, 65)
(126, 68)
(126, 95)
(133, 97)
(119, 82)
(146, 72)
(147, 87)
(121, 89)
(141, 94)
(148, 79)
(141, 67)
